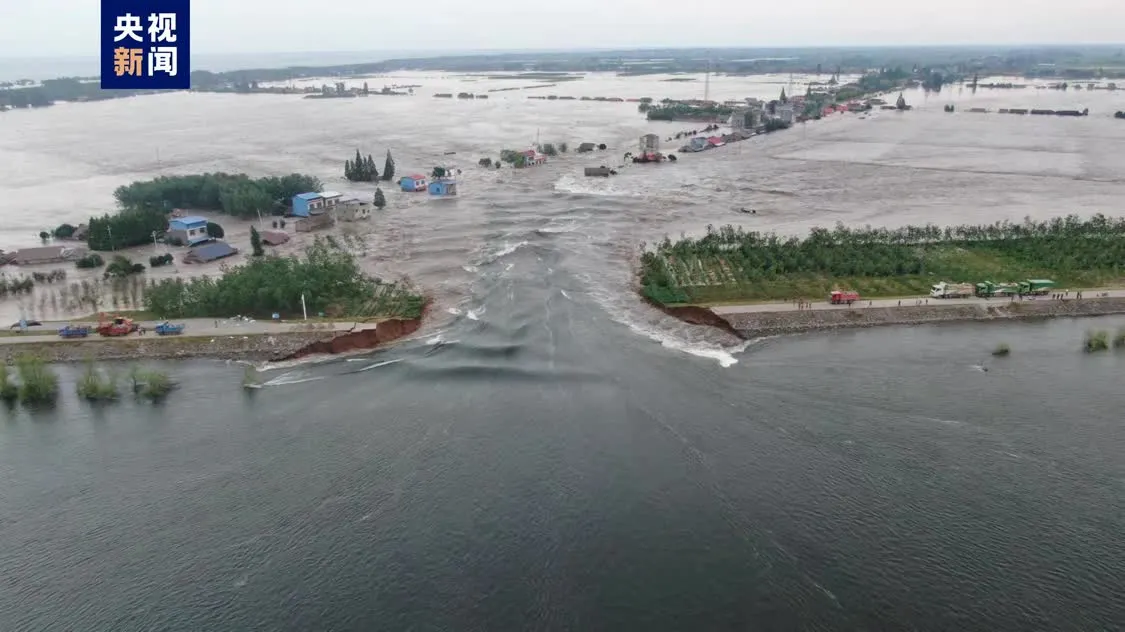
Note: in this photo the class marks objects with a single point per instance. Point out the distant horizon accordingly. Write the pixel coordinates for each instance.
(42, 67)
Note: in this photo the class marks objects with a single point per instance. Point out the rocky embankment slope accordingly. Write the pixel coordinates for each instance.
(752, 324)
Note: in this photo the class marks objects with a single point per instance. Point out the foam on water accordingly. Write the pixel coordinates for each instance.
(378, 364)
(591, 186)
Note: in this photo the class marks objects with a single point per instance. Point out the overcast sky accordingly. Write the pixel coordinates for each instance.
(35, 28)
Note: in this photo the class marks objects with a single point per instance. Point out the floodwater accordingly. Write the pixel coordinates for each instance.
(551, 454)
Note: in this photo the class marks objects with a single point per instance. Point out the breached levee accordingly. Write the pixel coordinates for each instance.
(753, 324)
(273, 347)
(383, 332)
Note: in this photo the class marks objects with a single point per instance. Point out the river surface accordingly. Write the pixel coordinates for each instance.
(550, 454)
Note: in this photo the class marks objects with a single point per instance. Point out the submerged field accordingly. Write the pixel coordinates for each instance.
(730, 265)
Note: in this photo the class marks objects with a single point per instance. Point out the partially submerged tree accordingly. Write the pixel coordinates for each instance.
(388, 167)
(256, 242)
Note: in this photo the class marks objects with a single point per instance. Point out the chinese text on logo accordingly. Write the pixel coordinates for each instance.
(145, 45)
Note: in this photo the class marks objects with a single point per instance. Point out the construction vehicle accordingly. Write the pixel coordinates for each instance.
(1036, 286)
(952, 290)
(988, 288)
(843, 297)
(118, 326)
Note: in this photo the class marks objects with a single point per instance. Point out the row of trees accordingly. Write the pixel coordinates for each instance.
(746, 262)
(363, 169)
(326, 275)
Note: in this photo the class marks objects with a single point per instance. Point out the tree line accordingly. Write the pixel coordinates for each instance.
(327, 276)
(737, 264)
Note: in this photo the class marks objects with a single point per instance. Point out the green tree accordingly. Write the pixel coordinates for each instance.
(379, 201)
(256, 242)
(388, 167)
(215, 231)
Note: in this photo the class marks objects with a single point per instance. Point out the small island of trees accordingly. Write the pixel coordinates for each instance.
(145, 205)
(361, 169)
(729, 264)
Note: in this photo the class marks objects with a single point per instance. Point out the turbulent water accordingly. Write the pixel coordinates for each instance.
(549, 453)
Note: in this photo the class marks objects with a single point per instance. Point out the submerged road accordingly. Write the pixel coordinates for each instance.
(195, 327)
(790, 306)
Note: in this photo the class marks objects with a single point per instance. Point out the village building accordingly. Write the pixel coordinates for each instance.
(443, 187)
(696, 144)
(190, 230)
(45, 254)
(533, 158)
(586, 147)
(305, 203)
(274, 237)
(353, 210)
(210, 252)
(315, 220)
(413, 183)
(784, 112)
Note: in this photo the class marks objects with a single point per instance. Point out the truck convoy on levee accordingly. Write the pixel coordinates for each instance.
(984, 289)
(987, 289)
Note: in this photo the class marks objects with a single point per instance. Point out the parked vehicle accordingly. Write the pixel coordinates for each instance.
(119, 326)
(952, 290)
(843, 297)
(1036, 286)
(988, 288)
(168, 329)
(74, 331)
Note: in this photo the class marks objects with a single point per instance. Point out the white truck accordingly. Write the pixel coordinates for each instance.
(952, 290)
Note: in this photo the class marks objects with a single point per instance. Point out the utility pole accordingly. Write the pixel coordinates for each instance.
(304, 310)
(707, 80)
(155, 248)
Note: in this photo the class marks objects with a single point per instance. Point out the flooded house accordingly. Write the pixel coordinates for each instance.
(44, 254)
(274, 237)
(533, 158)
(353, 210)
(209, 252)
(586, 147)
(315, 220)
(189, 230)
(443, 187)
(305, 204)
(413, 183)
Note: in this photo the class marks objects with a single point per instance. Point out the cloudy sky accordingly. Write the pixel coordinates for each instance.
(34, 28)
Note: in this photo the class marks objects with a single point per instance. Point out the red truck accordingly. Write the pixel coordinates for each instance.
(843, 297)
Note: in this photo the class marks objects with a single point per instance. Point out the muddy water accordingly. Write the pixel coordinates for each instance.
(535, 459)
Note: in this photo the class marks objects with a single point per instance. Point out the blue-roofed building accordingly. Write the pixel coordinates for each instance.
(188, 230)
(304, 203)
(412, 183)
(444, 187)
